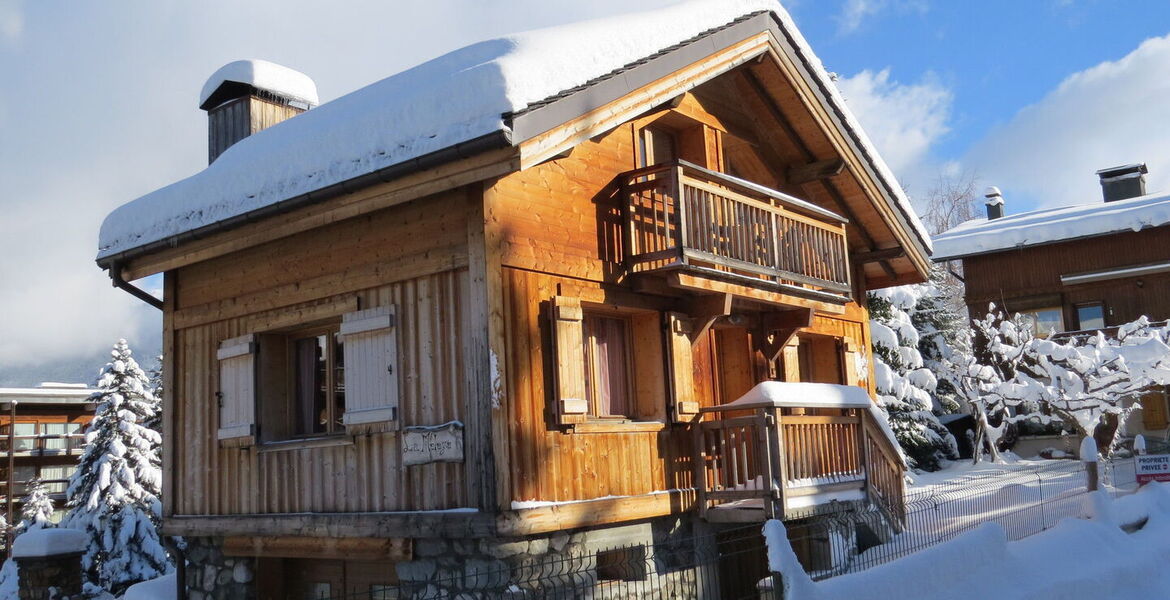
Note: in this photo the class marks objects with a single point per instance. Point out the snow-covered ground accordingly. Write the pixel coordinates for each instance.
(1078, 558)
(1022, 497)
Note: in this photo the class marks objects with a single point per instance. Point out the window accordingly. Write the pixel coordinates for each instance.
(25, 431)
(60, 473)
(656, 146)
(318, 381)
(608, 381)
(1091, 316)
(1044, 321)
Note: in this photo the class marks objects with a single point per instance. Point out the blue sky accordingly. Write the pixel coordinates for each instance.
(98, 106)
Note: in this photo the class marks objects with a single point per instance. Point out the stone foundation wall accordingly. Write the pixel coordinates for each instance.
(213, 576)
(50, 577)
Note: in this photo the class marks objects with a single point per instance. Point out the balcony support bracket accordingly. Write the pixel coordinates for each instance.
(704, 310)
(777, 328)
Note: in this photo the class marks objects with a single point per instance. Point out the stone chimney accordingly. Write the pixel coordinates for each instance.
(1124, 182)
(994, 203)
(246, 96)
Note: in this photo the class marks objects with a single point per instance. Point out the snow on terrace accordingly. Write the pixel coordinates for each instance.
(980, 236)
(458, 97)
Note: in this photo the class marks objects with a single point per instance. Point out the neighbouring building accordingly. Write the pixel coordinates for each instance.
(42, 434)
(1087, 267)
(493, 310)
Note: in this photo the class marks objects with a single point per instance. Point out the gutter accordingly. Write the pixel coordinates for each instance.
(492, 141)
(120, 283)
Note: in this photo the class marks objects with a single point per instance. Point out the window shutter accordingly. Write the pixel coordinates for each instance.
(1154, 411)
(237, 391)
(370, 344)
(684, 407)
(568, 340)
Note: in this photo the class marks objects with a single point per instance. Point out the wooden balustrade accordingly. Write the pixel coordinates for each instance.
(682, 215)
(757, 452)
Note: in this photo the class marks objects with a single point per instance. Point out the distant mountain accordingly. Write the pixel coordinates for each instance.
(79, 370)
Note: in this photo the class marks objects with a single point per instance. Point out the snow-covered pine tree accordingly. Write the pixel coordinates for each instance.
(942, 336)
(903, 384)
(114, 495)
(36, 512)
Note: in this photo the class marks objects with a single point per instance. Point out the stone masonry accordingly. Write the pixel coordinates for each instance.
(213, 576)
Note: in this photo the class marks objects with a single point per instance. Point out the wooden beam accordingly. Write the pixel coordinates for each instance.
(406, 524)
(703, 310)
(876, 255)
(560, 517)
(777, 328)
(392, 549)
(815, 171)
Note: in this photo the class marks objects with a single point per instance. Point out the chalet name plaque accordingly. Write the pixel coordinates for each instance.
(429, 444)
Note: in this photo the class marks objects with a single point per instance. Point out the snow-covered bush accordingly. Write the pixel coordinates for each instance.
(36, 512)
(904, 383)
(114, 494)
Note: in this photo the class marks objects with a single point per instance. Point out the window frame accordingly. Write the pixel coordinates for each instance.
(1034, 322)
(334, 351)
(1077, 313)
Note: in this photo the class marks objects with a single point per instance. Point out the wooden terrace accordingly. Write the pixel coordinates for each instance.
(778, 459)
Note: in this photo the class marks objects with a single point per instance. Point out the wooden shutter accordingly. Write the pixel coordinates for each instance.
(684, 407)
(370, 344)
(1154, 411)
(571, 405)
(237, 391)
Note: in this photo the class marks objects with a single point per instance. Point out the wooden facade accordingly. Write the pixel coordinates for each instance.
(484, 267)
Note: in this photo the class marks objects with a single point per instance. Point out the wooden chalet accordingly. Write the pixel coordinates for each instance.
(42, 436)
(535, 330)
(1081, 268)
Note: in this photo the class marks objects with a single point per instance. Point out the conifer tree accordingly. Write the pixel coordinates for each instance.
(36, 512)
(114, 494)
(903, 383)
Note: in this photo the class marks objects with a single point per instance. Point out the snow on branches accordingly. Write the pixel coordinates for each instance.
(905, 384)
(1090, 382)
(36, 511)
(114, 494)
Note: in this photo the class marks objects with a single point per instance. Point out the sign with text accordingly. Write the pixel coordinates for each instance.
(440, 443)
(1152, 467)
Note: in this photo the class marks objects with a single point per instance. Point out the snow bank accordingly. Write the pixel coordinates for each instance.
(979, 236)
(48, 542)
(458, 97)
(796, 394)
(163, 588)
(263, 75)
(1076, 559)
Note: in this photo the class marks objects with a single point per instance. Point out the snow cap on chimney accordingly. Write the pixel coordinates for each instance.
(994, 203)
(246, 96)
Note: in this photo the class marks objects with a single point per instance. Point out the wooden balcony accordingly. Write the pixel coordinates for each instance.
(765, 460)
(682, 217)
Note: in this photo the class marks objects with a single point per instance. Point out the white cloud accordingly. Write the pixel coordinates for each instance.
(855, 12)
(904, 121)
(11, 20)
(1111, 114)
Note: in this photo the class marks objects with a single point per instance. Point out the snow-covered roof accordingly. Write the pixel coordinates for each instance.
(981, 236)
(48, 393)
(49, 542)
(454, 100)
(803, 395)
(262, 75)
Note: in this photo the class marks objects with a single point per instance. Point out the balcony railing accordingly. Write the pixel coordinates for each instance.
(680, 215)
(763, 461)
(45, 444)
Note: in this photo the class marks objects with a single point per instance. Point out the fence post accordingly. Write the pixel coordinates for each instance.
(1089, 457)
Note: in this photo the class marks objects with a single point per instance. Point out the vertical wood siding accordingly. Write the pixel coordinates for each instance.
(355, 473)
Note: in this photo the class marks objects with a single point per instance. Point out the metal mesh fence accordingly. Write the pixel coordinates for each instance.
(731, 563)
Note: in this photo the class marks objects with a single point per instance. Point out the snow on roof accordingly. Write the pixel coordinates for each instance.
(162, 588)
(49, 542)
(801, 395)
(263, 75)
(462, 96)
(48, 393)
(981, 236)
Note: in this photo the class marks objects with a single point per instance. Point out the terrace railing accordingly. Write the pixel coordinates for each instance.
(682, 215)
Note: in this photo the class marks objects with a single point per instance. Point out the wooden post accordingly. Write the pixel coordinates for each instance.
(11, 472)
(1089, 457)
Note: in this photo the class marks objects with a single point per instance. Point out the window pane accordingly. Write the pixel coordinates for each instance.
(25, 429)
(608, 379)
(380, 591)
(1091, 316)
(309, 367)
(338, 380)
(57, 430)
(1045, 321)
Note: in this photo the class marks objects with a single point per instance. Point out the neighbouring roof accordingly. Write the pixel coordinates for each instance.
(458, 103)
(262, 75)
(48, 393)
(981, 236)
